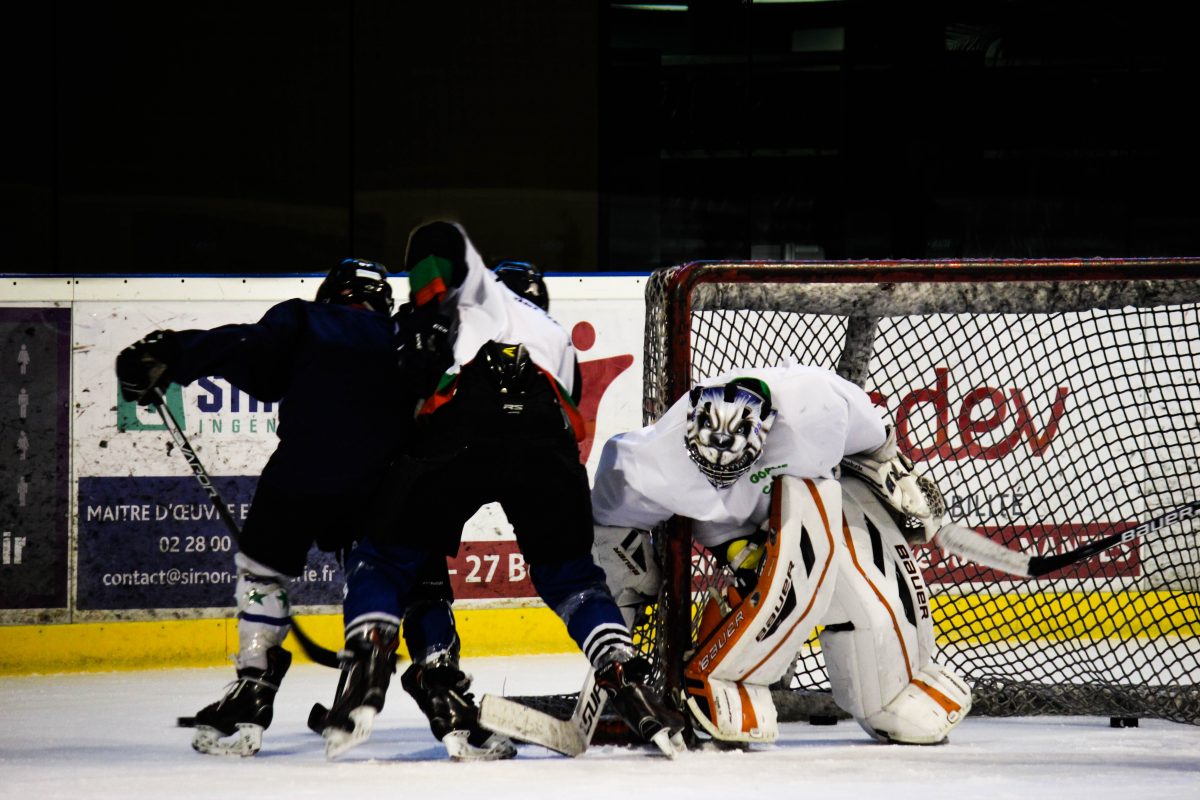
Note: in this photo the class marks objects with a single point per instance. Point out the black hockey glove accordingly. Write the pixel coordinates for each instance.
(424, 349)
(142, 367)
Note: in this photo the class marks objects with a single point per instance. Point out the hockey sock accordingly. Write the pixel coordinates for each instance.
(380, 581)
(429, 631)
(264, 612)
(578, 593)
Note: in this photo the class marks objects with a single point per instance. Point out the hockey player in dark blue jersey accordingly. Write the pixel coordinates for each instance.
(502, 420)
(435, 679)
(321, 360)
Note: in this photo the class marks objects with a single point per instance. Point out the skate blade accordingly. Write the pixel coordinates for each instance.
(670, 746)
(245, 742)
(496, 748)
(338, 741)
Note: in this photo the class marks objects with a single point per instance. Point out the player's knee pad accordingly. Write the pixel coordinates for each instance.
(753, 641)
(925, 711)
(263, 609)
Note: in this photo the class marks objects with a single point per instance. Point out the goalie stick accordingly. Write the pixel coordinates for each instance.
(321, 655)
(970, 544)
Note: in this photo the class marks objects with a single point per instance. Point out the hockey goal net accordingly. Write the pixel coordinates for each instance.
(1054, 402)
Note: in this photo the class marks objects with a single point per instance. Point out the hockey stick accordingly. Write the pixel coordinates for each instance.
(963, 541)
(321, 655)
(319, 713)
(570, 737)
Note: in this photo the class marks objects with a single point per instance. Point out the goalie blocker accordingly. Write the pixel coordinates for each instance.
(833, 557)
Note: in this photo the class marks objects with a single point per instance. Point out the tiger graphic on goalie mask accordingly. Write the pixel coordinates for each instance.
(727, 426)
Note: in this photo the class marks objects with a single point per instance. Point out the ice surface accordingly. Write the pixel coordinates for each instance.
(112, 735)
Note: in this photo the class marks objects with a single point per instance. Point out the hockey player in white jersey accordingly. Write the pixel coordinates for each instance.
(753, 458)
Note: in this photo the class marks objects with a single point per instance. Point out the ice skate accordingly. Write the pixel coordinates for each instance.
(440, 690)
(640, 706)
(243, 713)
(370, 662)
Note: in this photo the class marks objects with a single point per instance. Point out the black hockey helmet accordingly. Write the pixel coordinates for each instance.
(526, 280)
(357, 281)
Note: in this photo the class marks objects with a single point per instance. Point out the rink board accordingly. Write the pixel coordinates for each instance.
(111, 558)
(104, 646)
(533, 629)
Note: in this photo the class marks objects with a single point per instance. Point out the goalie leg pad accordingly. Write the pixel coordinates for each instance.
(884, 557)
(733, 711)
(878, 640)
(758, 638)
(925, 711)
(756, 641)
(878, 631)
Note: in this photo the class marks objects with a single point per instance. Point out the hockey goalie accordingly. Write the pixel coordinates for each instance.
(796, 486)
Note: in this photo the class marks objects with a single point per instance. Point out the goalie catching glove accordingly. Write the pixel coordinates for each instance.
(892, 476)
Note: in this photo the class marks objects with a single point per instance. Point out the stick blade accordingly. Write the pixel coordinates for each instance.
(974, 546)
(517, 721)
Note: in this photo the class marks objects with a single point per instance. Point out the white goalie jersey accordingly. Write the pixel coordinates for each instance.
(761, 447)
(645, 476)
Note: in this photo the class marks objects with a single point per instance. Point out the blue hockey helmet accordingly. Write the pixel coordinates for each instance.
(355, 281)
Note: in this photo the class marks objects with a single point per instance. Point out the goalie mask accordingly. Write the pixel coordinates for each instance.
(727, 427)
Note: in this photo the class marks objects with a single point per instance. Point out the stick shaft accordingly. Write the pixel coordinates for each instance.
(975, 546)
(1040, 565)
(321, 655)
(189, 453)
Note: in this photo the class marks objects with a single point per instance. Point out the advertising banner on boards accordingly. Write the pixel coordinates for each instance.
(148, 538)
(141, 514)
(35, 445)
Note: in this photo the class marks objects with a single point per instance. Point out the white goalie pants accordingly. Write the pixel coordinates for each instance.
(834, 558)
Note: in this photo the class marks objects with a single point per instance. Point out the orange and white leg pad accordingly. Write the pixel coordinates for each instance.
(925, 711)
(754, 640)
(734, 712)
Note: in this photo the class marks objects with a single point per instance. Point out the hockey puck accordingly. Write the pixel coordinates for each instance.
(185, 722)
(822, 719)
(316, 718)
(1122, 722)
